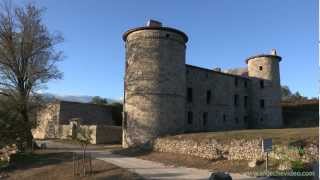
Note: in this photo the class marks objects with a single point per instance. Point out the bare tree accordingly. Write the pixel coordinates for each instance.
(27, 58)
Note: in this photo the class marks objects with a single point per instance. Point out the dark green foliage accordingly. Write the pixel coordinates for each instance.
(297, 166)
(11, 125)
(287, 95)
(99, 100)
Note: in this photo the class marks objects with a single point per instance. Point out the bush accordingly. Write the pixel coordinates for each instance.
(297, 166)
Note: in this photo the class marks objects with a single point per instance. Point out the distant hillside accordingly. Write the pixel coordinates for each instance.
(82, 99)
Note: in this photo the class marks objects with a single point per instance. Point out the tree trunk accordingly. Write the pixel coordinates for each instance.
(28, 138)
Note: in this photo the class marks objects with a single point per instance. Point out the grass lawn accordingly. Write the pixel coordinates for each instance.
(279, 136)
(49, 165)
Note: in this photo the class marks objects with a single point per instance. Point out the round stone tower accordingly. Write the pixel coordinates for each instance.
(155, 83)
(266, 90)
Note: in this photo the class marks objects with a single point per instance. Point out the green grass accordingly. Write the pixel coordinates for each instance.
(3, 164)
(279, 136)
(25, 158)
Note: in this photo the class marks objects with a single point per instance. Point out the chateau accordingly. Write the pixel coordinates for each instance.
(163, 95)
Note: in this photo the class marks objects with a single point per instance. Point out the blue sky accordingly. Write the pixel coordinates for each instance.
(222, 33)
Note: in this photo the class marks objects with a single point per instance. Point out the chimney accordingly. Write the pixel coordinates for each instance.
(273, 52)
(154, 23)
(217, 69)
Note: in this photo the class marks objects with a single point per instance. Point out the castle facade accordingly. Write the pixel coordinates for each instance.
(163, 95)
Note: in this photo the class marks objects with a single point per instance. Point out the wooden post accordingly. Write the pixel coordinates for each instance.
(90, 164)
(267, 162)
(77, 166)
(74, 165)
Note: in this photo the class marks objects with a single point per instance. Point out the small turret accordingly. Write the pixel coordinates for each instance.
(264, 71)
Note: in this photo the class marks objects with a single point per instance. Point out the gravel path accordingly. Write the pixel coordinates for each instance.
(155, 170)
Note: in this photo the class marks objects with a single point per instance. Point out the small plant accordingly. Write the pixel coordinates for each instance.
(3, 164)
(297, 166)
(82, 135)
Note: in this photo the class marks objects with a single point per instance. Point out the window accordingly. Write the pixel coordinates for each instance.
(207, 75)
(237, 120)
(262, 104)
(261, 119)
(236, 100)
(245, 84)
(204, 118)
(167, 35)
(261, 84)
(208, 96)
(190, 117)
(224, 118)
(245, 119)
(236, 81)
(245, 104)
(189, 95)
(260, 68)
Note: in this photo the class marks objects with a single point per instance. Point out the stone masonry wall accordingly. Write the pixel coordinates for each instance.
(47, 122)
(101, 134)
(265, 69)
(235, 149)
(222, 113)
(108, 134)
(154, 102)
(90, 114)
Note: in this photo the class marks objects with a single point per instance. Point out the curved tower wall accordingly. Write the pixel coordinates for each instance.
(154, 99)
(265, 75)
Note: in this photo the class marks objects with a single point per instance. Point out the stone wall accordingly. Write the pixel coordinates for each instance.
(47, 122)
(108, 134)
(65, 132)
(90, 114)
(235, 149)
(301, 114)
(101, 134)
(53, 120)
(222, 113)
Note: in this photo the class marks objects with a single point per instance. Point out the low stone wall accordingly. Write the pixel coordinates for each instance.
(65, 132)
(108, 134)
(235, 149)
(101, 134)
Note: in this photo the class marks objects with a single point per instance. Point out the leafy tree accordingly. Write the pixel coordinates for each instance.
(287, 95)
(285, 92)
(99, 100)
(27, 60)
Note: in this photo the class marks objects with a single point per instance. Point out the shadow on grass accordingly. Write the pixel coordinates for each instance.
(23, 161)
(132, 152)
